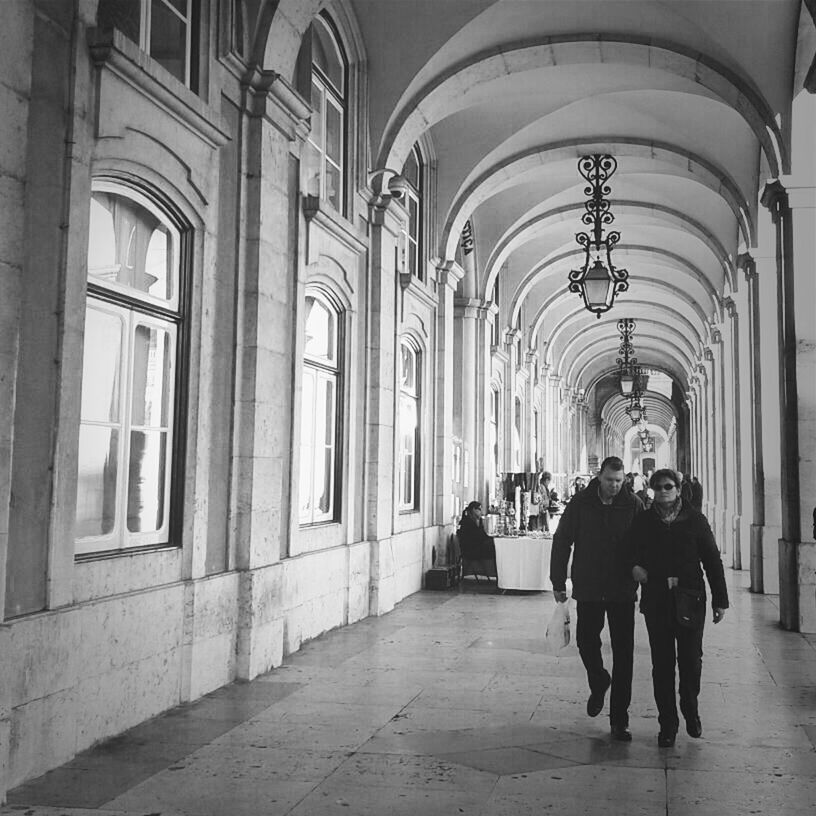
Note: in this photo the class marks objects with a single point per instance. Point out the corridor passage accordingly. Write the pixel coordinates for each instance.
(450, 705)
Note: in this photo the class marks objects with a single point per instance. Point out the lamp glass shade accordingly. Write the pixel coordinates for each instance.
(627, 381)
(635, 412)
(597, 285)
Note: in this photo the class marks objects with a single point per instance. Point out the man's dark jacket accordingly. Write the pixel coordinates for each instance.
(601, 567)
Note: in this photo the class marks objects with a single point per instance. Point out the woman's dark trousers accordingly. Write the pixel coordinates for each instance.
(673, 644)
(621, 618)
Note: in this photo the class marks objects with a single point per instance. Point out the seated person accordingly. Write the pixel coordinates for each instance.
(475, 543)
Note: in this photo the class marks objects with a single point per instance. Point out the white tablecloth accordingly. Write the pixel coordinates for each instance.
(523, 563)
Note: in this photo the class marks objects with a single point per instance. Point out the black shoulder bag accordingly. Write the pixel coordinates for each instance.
(690, 607)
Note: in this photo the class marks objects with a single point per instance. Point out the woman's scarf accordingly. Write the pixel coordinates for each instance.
(668, 514)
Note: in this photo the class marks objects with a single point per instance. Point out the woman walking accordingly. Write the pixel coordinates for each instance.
(671, 544)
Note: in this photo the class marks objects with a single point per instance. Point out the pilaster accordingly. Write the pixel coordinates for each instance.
(775, 199)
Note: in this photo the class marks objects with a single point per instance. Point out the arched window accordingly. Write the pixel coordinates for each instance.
(133, 322)
(412, 172)
(408, 430)
(161, 28)
(322, 67)
(318, 494)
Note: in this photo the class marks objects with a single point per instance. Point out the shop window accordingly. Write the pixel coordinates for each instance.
(409, 414)
(322, 76)
(130, 391)
(412, 172)
(319, 412)
(164, 29)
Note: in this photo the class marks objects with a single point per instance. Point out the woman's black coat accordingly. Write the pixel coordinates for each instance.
(681, 549)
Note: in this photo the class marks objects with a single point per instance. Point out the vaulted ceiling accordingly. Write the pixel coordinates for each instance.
(692, 98)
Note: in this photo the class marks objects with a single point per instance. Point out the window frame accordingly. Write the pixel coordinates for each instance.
(189, 19)
(339, 99)
(412, 396)
(335, 373)
(143, 309)
(414, 242)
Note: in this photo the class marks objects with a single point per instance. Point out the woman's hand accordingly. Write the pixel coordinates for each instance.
(640, 575)
(719, 614)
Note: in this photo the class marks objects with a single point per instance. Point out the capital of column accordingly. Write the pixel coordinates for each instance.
(449, 273)
(531, 356)
(799, 196)
(775, 198)
(708, 354)
(716, 336)
(469, 307)
(267, 95)
(746, 262)
(730, 308)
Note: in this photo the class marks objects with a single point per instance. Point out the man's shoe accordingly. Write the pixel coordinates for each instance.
(694, 727)
(665, 739)
(621, 733)
(595, 703)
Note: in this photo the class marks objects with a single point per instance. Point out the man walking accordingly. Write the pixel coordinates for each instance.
(594, 527)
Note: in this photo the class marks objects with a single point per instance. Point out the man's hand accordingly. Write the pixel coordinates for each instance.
(719, 614)
(560, 595)
(640, 575)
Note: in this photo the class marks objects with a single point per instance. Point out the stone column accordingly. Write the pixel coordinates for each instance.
(719, 453)
(775, 198)
(755, 447)
(448, 276)
(468, 399)
(800, 357)
(274, 119)
(734, 429)
(510, 379)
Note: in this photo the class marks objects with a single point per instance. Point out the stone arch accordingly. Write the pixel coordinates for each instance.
(673, 218)
(688, 165)
(443, 94)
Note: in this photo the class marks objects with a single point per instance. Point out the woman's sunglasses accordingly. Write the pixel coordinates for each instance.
(666, 486)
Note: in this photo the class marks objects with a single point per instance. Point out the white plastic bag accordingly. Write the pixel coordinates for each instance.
(557, 636)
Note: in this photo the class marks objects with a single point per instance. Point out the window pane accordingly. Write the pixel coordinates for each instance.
(307, 436)
(125, 15)
(96, 480)
(412, 257)
(129, 246)
(150, 402)
(321, 332)
(413, 218)
(168, 40)
(317, 116)
(334, 186)
(326, 55)
(410, 170)
(179, 5)
(147, 475)
(334, 133)
(101, 366)
(324, 469)
(407, 380)
(311, 161)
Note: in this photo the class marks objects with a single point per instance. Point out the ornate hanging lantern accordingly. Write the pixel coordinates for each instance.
(626, 362)
(598, 281)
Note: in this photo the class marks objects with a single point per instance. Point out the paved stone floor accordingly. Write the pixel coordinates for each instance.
(451, 705)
